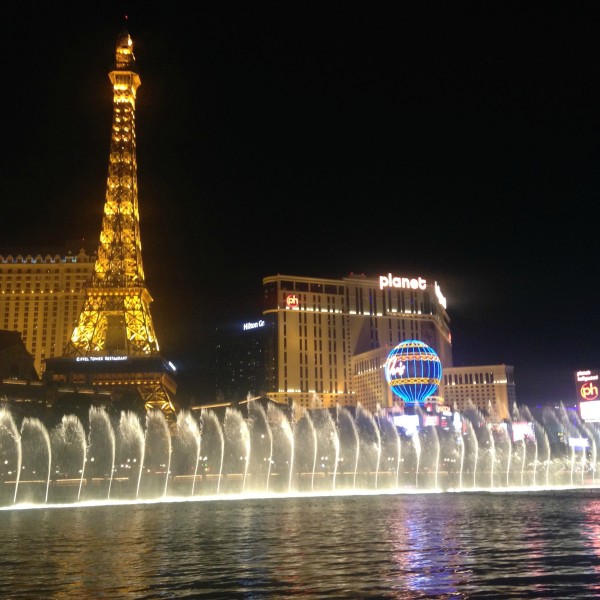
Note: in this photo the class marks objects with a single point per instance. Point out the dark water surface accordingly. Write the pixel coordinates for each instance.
(454, 545)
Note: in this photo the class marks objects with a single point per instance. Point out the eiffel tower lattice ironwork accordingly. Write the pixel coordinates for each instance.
(115, 326)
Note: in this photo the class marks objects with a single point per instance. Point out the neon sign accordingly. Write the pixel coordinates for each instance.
(438, 292)
(587, 384)
(254, 325)
(587, 376)
(99, 358)
(407, 283)
(389, 280)
(413, 371)
(291, 301)
(588, 391)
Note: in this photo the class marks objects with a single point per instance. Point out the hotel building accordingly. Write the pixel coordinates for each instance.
(41, 296)
(489, 388)
(240, 359)
(331, 336)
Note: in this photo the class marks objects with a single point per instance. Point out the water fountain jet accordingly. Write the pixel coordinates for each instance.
(268, 451)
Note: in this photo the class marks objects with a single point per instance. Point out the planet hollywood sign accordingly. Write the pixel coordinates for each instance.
(410, 283)
(587, 384)
(292, 301)
(586, 376)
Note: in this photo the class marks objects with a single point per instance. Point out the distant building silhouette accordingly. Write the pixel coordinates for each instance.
(15, 361)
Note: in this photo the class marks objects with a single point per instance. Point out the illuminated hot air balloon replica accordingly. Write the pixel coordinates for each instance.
(413, 371)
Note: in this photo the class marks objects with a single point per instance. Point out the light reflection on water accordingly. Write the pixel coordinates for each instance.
(406, 546)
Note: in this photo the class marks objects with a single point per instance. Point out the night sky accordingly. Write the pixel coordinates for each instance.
(457, 141)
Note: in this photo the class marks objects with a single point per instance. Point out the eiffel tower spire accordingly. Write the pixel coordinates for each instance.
(115, 324)
(116, 317)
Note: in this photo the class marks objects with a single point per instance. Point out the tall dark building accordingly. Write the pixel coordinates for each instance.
(15, 361)
(240, 357)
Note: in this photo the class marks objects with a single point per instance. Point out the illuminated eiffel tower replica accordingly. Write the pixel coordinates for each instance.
(113, 347)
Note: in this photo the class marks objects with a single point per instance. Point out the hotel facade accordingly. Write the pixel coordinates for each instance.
(41, 296)
(490, 388)
(331, 337)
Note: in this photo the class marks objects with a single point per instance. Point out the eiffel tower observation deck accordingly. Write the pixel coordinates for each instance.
(113, 346)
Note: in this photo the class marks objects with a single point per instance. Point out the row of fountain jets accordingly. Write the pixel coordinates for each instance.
(325, 451)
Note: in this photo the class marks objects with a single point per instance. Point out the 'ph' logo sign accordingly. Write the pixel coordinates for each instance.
(292, 301)
(588, 391)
